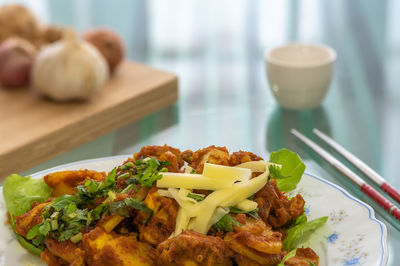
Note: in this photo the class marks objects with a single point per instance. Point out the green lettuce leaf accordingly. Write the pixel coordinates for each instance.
(20, 192)
(291, 172)
(301, 227)
(288, 256)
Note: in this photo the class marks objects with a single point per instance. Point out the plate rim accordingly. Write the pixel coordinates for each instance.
(371, 212)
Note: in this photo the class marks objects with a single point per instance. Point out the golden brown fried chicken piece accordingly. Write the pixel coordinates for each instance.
(254, 243)
(51, 259)
(195, 249)
(66, 251)
(212, 154)
(303, 258)
(162, 153)
(26, 221)
(275, 208)
(65, 182)
(104, 249)
(187, 156)
(243, 157)
(109, 222)
(162, 224)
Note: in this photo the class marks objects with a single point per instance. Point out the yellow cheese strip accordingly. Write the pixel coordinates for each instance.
(191, 181)
(247, 205)
(188, 169)
(183, 203)
(226, 172)
(254, 166)
(246, 189)
(257, 166)
(182, 222)
(217, 215)
(164, 193)
(227, 197)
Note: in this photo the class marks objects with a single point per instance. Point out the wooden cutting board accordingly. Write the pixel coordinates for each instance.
(34, 130)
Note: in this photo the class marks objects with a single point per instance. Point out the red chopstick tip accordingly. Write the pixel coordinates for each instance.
(376, 196)
(391, 191)
(396, 213)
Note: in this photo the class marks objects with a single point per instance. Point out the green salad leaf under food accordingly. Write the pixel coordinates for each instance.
(290, 171)
(20, 192)
(291, 254)
(301, 227)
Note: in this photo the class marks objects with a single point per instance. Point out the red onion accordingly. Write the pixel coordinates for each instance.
(16, 60)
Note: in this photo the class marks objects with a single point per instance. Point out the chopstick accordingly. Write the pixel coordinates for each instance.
(368, 171)
(365, 188)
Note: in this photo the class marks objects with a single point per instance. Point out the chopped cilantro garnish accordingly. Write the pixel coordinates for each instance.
(148, 170)
(123, 207)
(93, 189)
(226, 223)
(196, 197)
(253, 213)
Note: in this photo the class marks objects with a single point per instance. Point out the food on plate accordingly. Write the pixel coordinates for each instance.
(167, 207)
(69, 69)
(108, 43)
(16, 60)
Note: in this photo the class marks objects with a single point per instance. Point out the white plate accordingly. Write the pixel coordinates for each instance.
(352, 235)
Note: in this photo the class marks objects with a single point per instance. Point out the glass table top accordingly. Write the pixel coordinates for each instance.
(217, 50)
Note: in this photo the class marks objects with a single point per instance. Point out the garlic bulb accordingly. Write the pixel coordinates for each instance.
(69, 69)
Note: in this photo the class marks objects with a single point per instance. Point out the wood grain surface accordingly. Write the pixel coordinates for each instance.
(33, 129)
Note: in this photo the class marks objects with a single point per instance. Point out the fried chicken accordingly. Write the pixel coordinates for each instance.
(192, 248)
(254, 243)
(65, 182)
(162, 223)
(162, 153)
(211, 154)
(275, 208)
(303, 258)
(243, 157)
(104, 249)
(26, 221)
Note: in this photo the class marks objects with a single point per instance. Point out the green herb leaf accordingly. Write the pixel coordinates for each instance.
(291, 172)
(20, 192)
(62, 202)
(296, 232)
(196, 197)
(253, 213)
(148, 170)
(93, 189)
(226, 223)
(123, 207)
(311, 263)
(291, 254)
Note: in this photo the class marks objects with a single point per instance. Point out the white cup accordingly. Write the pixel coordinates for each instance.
(299, 74)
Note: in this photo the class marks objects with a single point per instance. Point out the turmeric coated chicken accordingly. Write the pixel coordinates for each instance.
(121, 218)
(254, 243)
(195, 249)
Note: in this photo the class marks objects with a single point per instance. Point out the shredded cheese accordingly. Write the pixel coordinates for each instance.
(226, 172)
(247, 205)
(231, 187)
(191, 181)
